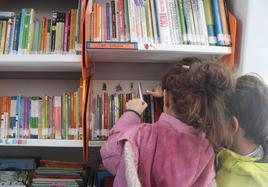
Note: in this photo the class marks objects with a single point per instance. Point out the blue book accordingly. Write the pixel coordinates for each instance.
(13, 116)
(218, 24)
(20, 38)
(108, 23)
(17, 34)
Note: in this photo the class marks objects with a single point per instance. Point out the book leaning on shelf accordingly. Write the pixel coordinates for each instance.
(26, 34)
(193, 22)
(41, 117)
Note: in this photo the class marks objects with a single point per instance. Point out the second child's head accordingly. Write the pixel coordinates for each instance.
(194, 92)
(247, 109)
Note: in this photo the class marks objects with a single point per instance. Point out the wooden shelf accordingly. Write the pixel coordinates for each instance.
(40, 63)
(156, 53)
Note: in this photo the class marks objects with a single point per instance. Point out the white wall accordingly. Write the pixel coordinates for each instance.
(252, 52)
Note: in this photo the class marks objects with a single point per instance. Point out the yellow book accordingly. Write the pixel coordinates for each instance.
(4, 30)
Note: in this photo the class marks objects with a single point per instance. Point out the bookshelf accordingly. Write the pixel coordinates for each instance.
(39, 73)
(145, 58)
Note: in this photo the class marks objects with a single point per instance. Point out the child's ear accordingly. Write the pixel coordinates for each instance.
(166, 98)
(235, 124)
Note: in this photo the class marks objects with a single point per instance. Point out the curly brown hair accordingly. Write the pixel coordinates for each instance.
(198, 89)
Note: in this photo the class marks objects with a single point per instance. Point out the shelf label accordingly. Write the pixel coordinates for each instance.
(111, 45)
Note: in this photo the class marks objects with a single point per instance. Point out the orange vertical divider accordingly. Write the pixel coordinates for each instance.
(233, 28)
(86, 78)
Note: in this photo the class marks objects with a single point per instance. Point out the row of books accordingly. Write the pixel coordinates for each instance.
(46, 117)
(107, 108)
(25, 172)
(26, 34)
(198, 22)
(59, 174)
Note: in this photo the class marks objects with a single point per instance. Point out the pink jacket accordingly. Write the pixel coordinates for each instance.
(167, 153)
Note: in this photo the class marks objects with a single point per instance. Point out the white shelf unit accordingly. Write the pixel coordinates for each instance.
(47, 143)
(156, 53)
(40, 63)
(36, 75)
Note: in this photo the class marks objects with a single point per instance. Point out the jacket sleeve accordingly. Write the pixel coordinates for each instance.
(112, 151)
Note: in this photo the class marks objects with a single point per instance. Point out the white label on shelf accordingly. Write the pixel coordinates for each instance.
(34, 131)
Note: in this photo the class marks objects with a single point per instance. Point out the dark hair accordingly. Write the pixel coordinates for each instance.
(198, 90)
(249, 104)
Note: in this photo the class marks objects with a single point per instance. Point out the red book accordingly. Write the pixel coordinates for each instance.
(121, 20)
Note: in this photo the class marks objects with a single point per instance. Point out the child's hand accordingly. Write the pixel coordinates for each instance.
(156, 91)
(137, 105)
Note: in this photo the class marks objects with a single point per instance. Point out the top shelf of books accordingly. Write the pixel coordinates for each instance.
(157, 31)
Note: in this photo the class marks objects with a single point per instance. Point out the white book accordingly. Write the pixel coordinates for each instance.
(132, 21)
(203, 21)
(143, 22)
(191, 17)
(31, 33)
(171, 21)
(138, 20)
(196, 21)
(12, 35)
(163, 22)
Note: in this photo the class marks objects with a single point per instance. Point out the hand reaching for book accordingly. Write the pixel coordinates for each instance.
(136, 105)
(156, 91)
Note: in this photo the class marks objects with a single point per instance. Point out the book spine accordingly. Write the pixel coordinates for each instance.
(126, 21)
(53, 31)
(4, 30)
(77, 32)
(203, 21)
(132, 21)
(192, 25)
(188, 23)
(21, 31)
(218, 24)
(8, 35)
(48, 37)
(163, 22)
(72, 30)
(227, 37)
(31, 33)
(196, 22)
(66, 25)
(155, 25)
(182, 22)
(148, 20)
(122, 35)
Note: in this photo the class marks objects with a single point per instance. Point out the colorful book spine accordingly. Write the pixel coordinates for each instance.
(218, 23)
(227, 37)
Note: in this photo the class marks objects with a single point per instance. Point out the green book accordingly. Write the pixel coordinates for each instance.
(182, 21)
